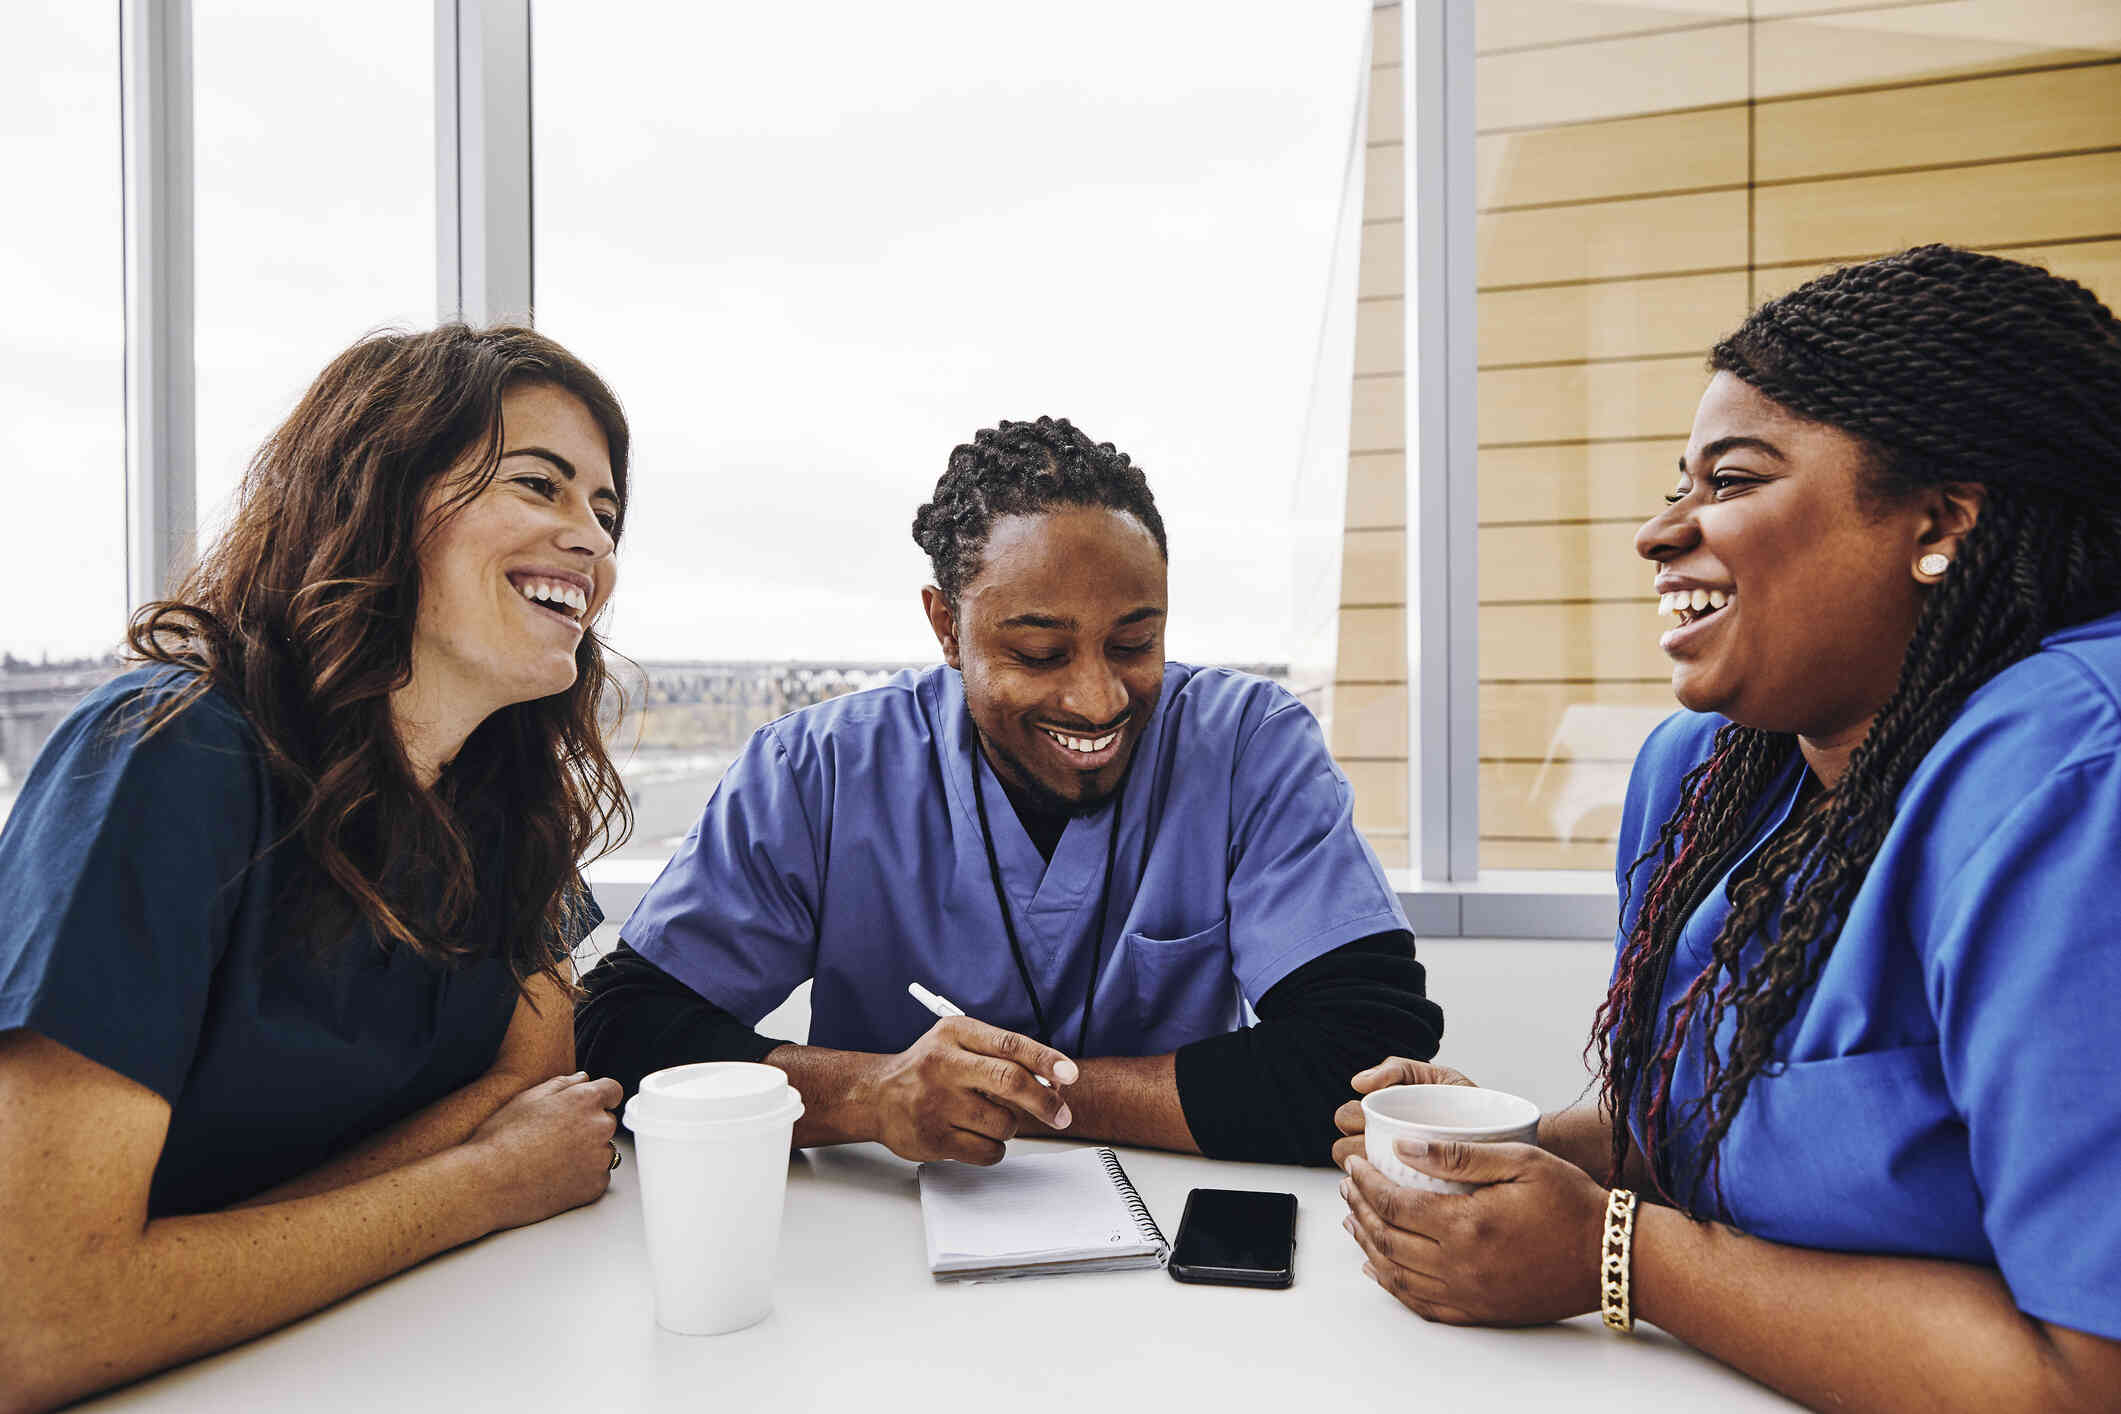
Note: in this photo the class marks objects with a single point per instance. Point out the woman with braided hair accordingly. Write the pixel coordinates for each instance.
(1858, 1056)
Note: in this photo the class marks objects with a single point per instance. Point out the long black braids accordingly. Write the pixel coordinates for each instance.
(1016, 468)
(1949, 366)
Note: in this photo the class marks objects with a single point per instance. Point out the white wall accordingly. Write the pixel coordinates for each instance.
(1516, 1013)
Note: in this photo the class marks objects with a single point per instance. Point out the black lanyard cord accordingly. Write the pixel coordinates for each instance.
(1001, 899)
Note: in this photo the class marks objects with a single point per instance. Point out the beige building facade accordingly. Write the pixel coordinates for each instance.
(1643, 175)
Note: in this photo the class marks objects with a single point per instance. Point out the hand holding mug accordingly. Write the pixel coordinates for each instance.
(1394, 1070)
(1520, 1249)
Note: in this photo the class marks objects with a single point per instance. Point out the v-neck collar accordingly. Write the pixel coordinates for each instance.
(1035, 886)
(1044, 826)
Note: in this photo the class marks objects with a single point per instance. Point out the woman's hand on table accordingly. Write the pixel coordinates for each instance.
(1394, 1070)
(549, 1148)
(1522, 1250)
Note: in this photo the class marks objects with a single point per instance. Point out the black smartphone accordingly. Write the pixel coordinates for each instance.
(1232, 1237)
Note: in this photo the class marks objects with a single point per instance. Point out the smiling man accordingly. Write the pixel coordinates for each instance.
(1104, 858)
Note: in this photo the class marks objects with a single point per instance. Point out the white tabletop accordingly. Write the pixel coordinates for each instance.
(558, 1316)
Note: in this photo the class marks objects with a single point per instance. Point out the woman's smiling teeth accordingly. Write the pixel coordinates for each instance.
(1082, 745)
(561, 598)
(1690, 604)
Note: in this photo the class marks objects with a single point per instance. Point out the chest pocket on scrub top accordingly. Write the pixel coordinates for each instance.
(1178, 989)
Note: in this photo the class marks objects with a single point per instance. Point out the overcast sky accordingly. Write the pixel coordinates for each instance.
(811, 246)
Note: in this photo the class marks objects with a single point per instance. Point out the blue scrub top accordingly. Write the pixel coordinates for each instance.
(844, 846)
(1953, 1079)
(147, 898)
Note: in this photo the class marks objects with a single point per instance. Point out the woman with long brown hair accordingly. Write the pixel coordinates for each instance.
(285, 993)
(1859, 1132)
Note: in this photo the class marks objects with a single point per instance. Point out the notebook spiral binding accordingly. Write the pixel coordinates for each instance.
(1144, 1220)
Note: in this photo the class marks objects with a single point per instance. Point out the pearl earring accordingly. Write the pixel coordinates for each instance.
(1933, 565)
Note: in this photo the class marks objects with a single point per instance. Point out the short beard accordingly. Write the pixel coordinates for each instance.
(1042, 799)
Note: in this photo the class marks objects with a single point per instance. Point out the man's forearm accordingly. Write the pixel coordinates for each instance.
(1124, 1100)
(635, 1019)
(1118, 1099)
(832, 1084)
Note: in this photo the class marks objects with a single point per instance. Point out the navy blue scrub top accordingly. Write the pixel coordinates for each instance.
(844, 846)
(145, 912)
(1952, 1082)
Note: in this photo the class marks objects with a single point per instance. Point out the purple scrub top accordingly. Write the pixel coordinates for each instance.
(1951, 1086)
(844, 846)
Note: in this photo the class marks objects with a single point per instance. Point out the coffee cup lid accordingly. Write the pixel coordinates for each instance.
(712, 1092)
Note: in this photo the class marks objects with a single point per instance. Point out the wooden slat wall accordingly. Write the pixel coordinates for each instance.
(1638, 193)
(1370, 688)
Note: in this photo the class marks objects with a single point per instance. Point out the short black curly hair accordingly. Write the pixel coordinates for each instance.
(1017, 468)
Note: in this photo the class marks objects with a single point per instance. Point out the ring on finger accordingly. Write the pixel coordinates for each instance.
(615, 1156)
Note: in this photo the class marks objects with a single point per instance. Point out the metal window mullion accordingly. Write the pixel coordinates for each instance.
(1442, 488)
(155, 100)
(1462, 450)
(483, 193)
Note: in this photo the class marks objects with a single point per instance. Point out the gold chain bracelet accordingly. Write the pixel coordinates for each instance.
(1616, 1261)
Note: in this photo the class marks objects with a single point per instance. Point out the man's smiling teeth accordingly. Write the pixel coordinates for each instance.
(1085, 745)
(558, 595)
(1691, 601)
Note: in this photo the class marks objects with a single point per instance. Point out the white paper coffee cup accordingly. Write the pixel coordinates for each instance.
(711, 1148)
(1441, 1112)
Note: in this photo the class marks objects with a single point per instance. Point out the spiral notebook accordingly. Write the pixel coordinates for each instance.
(1039, 1215)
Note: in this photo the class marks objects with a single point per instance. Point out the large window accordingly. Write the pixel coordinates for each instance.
(1369, 722)
(1645, 176)
(809, 274)
(315, 165)
(62, 367)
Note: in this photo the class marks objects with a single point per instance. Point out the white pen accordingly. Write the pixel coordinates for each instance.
(943, 1006)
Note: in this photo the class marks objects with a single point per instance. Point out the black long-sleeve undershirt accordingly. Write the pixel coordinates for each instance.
(1264, 1093)
(1267, 1092)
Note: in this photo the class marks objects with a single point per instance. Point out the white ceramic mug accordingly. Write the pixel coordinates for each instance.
(711, 1148)
(1462, 1113)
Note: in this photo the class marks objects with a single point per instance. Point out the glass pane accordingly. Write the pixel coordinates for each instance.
(62, 367)
(1369, 702)
(809, 274)
(315, 153)
(1639, 192)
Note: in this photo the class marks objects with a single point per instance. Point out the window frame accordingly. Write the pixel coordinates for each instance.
(1446, 893)
(485, 272)
(155, 121)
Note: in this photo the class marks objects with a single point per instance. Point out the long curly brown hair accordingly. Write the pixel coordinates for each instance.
(1949, 366)
(302, 614)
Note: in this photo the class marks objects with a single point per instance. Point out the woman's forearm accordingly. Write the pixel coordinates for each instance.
(538, 1045)
(1582, 1135)
(1579, 1135)
(1850, 1331)
(184, 1286)
(447, 1122)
